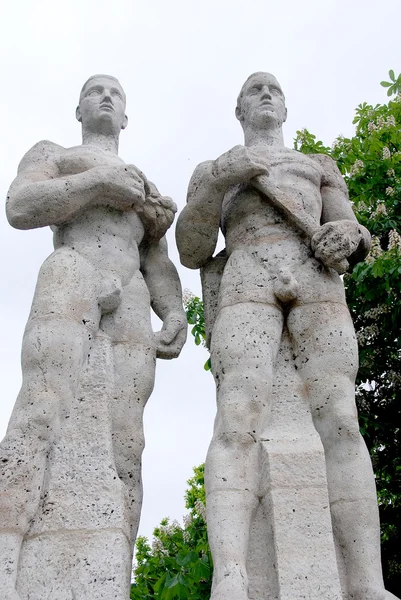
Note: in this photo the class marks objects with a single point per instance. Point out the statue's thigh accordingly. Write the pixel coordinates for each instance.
(324, 339)
(67, 286)
(326, 356)
(130, 321)
(129, 329)
(246, 336)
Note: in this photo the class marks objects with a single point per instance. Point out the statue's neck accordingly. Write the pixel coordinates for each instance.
(264, 137)
(107, 143)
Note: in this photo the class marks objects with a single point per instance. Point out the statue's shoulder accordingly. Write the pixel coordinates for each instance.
(203, 171)
(331, 175)
(44, 152)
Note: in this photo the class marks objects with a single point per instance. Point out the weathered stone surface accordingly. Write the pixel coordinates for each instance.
(70, 464)
(293, 519)
(284, 357)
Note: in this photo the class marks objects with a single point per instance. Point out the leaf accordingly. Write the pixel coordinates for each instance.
(385, 83)
(391, 75)
(171, 581)
(160, 583)
(208, 365)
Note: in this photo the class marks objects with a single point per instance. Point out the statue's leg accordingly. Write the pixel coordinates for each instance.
(130, 330)
(245, 343)
(327, 360)
(56, 342)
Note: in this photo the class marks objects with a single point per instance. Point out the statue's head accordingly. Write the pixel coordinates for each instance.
(261, 102)
(101, 107)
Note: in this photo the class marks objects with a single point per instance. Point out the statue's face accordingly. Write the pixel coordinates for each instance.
(102, 106)
(262, 101)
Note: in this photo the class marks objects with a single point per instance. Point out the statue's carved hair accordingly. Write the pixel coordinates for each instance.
(85, 85)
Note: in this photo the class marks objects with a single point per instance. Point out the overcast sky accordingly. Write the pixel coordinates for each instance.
(181, 63)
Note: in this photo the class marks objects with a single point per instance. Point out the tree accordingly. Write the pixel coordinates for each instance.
(178, 565)
(370, 162)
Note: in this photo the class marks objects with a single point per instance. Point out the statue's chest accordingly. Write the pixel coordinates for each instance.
(293, 179)
(79, 159)
(289, 167)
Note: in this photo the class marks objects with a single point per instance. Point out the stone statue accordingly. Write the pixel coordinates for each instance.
(289, 230)
(91, 307)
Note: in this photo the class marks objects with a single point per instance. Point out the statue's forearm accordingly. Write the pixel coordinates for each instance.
(51, 202)
(162, 280)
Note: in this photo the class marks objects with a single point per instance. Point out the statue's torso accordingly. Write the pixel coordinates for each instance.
(261, 242)
(107, 237)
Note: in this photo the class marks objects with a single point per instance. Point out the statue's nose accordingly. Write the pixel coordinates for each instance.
(266, 92)
(106, 95)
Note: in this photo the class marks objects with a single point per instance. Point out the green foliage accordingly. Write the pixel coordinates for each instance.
(195, 316)
(394, 85)
(370, 162)
(178, 565)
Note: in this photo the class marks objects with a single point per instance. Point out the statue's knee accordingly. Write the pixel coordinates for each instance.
(129, 445)
(337, 426)
(250, 385)
(43, 417)
(236, 439)
(237, 425)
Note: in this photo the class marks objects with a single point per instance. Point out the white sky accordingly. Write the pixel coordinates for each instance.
(181, 63)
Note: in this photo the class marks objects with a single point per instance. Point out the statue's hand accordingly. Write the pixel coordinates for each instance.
(238, 165)
(157, 213)
(121, 186)
(335, 241)
(172, 336)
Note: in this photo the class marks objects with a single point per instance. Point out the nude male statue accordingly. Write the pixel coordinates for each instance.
(109, 265)
(289, 229)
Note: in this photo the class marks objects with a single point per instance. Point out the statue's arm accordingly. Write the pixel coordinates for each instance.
(38, 195)
(198, 224)
(338, 219)
(165, 291)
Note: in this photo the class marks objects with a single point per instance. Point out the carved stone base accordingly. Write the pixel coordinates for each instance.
(292, 553)
(78, 547)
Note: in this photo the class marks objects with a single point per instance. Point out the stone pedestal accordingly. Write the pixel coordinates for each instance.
(292, 554)
(78, 547)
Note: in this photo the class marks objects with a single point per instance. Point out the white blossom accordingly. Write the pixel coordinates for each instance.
(381, 122)
(394, 241)
(367, 333)
(357, 167)
(394, 377)
(337, 142)
(390, 191)
(158, 547)
(374, 313)
(391, 173)
(380, 210)
(371, 127)
(200, 509)
(391, 121)
(187, 296)
(375, 250)
(186, 536)
(187, 520)
(386, 153)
